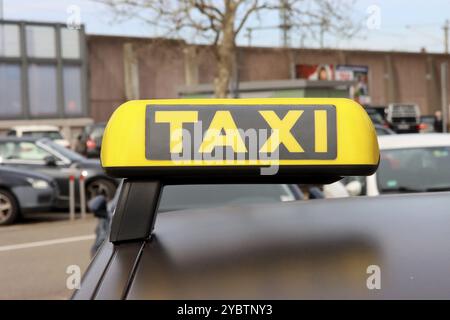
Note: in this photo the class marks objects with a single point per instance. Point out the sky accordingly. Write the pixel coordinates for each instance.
(400, 25)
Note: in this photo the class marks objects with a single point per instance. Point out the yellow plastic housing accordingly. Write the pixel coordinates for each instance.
(124, 140)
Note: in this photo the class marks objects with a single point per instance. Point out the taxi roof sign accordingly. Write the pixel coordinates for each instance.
(268, 139)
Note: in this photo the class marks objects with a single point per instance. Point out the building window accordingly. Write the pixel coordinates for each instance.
(70, 43)
(10, 90)
(40, 41)
(42, 71)
(72, 90)
(9, 40)
(42, 90)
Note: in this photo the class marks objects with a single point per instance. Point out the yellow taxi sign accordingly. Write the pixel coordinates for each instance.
(153, 138)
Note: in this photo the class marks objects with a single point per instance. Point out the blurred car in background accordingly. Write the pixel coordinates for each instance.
(403, 118)
(89, 142)
(426, 124)
(377, 114)
(408, 163)
(382, 130)
(22, 192)
(39, 131)
(49, 158)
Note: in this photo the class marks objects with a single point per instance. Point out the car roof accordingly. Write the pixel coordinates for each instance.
(302, 249)
(35, 128)
(413, 140)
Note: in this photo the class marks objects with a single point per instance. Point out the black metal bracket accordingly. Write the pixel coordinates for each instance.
(135, 213)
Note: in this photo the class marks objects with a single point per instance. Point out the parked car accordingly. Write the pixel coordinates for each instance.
(89, 142)
(47, 157)
(22, 192)
(403, 118)
(408, 163)
(39, 131)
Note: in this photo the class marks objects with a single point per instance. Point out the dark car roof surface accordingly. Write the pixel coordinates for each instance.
(313, 249)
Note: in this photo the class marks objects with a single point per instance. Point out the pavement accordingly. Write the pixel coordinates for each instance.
(36, 252)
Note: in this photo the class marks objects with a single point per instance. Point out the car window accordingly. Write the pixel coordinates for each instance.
(202, 196)
(71, 155)
(414, 169)
(22, 151)
(376, 117)
(427, 119)
(86, 130)
(381, 131)
(97, 132)
(54, 135)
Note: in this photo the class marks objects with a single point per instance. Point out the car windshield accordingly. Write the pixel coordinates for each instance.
(381, 131)
(414, 170)
(204, 196)
(376, 117)
(54, 135)
(71, 155)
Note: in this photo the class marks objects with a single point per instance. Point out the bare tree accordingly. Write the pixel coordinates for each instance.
(219, 22)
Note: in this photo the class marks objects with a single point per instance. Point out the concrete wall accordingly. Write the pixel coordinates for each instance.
(164, 66)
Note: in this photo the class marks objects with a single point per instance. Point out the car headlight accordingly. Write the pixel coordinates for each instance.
(38, 184)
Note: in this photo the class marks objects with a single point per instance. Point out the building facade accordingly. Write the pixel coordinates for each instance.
(50, 74)
(43, 75)
(128, 68)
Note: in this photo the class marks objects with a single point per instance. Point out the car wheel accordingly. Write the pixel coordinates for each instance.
(9, 209)
(100, 187)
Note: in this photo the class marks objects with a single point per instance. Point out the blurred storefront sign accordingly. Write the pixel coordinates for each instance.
(315, 71)
(360, 74)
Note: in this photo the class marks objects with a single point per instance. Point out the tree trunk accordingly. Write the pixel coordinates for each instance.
(223, 77)
(225, 52)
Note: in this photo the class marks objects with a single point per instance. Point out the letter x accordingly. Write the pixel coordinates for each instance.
(282, 132)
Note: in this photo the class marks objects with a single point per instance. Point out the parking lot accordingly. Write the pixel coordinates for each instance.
(35, 254)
